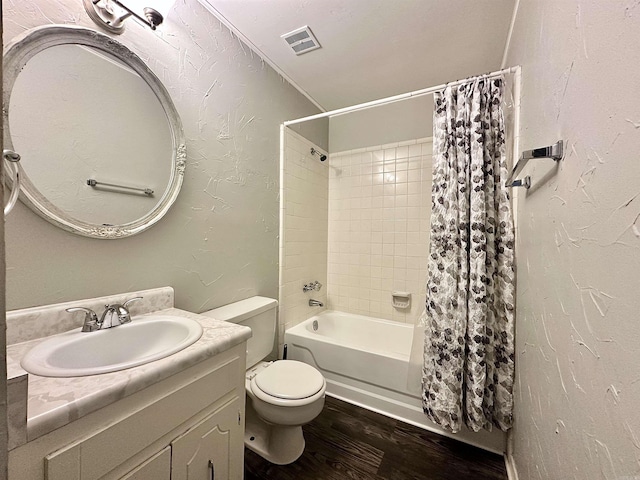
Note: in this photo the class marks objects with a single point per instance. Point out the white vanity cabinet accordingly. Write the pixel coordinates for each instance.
(208, 450)
(157, 467)
(171, 430)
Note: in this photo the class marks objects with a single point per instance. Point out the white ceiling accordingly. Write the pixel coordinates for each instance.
(373, 49)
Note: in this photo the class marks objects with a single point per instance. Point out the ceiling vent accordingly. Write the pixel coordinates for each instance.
(301, 40)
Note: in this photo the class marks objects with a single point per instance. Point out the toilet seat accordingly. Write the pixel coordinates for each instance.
(288, 383)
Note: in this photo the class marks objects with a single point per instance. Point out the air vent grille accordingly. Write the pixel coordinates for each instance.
(301, 40)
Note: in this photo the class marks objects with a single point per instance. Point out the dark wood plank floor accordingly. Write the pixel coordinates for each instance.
(348, 442)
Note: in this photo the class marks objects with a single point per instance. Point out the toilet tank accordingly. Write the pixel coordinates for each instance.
(258, 313)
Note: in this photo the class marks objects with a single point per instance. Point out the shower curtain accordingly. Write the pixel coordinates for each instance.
(468, 367)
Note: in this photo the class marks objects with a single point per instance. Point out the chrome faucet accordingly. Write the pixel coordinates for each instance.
(117, 311)
(315, 303)
(91, 322)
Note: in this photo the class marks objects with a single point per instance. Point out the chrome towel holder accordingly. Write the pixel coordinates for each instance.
(554, 151)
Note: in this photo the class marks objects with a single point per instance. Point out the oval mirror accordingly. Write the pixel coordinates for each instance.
(101, 142)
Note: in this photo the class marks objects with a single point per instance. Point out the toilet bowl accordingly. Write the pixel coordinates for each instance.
(282, 395)
(286, 392)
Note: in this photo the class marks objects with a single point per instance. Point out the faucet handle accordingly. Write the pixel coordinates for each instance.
(91, 322)
(316, 285)
(123, 311)
(134, 299)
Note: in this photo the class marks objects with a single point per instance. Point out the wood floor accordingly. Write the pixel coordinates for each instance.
(348, 442)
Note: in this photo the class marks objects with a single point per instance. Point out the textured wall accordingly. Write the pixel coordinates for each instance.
(379, 214)
(219, 242)
(578, 374)
(303, 258)
(395, 122)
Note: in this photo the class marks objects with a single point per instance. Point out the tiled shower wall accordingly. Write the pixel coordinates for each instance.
(379, 214)
(304, 190)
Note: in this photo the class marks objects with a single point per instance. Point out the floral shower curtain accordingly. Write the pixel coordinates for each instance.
(468, 365)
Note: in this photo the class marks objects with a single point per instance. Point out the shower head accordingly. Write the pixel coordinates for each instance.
(320, 154)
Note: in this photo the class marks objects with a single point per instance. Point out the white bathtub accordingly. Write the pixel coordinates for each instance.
(365, 361)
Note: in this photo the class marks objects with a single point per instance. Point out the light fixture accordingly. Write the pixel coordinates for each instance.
(111, 14)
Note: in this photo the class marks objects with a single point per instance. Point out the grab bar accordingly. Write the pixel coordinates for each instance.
(11, 158)
(94, 183)
(554, 151)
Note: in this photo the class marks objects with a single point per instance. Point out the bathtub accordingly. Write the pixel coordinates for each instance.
(365, 361)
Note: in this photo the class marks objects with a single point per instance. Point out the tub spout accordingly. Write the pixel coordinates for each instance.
(315, 303)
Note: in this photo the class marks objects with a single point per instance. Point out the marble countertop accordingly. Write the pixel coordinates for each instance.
(55, 402)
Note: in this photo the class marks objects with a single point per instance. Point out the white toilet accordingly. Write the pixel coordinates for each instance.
(282, 395)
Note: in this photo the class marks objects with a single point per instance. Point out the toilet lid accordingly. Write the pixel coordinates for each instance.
(290, 380)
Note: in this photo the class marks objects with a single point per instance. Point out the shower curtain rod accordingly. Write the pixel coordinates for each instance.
(396, 98)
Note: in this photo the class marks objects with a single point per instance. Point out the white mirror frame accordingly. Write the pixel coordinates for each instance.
(31, 42)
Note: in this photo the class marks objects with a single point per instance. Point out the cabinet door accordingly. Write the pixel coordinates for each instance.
(212, 449)
(157, 467)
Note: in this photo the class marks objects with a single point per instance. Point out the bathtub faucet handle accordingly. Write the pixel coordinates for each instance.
(312, 286)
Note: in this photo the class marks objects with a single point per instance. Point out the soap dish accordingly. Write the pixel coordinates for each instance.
(401, 299)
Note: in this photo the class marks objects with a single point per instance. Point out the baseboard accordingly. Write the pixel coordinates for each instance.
(411, 414)
(512, 473)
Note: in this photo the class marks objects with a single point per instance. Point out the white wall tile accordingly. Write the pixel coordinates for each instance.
(377, 222)
(305, 218)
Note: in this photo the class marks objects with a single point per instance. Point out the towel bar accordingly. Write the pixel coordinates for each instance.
(554, 151)
(94, 183)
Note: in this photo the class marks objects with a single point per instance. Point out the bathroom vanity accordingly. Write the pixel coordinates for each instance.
(180, 417)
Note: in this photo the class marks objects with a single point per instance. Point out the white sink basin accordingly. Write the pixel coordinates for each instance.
(145, 339)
